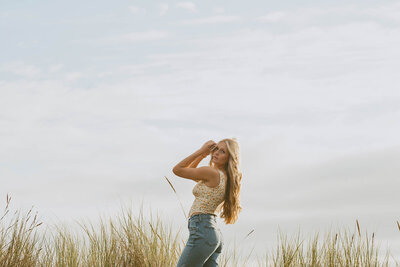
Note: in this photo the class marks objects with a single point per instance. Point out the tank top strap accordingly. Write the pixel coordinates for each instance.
(221, 176)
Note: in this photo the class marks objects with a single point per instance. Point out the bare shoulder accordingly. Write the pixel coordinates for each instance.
(205, 173)
(209, 173)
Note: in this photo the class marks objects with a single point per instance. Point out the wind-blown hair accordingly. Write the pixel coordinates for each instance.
(231, 204)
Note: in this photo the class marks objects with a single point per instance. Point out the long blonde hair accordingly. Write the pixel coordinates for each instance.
(231, 204)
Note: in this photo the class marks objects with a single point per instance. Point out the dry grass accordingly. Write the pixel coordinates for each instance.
(128, 240)
(334, 249)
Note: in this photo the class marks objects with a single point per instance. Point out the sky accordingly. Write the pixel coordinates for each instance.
(100, 100)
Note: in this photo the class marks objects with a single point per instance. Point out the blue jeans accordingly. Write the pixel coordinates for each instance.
(204, 243)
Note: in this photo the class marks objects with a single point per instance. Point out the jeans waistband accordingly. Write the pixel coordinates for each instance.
(203, 216)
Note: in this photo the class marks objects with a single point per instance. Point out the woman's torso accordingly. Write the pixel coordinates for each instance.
(215, 182)
(214, 187)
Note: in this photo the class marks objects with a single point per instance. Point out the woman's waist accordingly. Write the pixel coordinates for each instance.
(202, 216)
(207, 205)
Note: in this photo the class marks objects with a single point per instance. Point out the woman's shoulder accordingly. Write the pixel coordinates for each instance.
(212, 173)
(210, 169)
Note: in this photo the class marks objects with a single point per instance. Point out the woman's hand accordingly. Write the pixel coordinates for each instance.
(207, 148)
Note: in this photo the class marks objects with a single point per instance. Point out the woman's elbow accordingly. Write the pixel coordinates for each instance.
(175, 170)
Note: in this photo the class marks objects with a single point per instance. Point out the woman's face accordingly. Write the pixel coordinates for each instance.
(220, 154)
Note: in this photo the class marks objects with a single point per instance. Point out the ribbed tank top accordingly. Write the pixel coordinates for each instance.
(207, 199)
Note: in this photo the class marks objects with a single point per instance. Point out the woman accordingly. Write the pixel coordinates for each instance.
(218, 187)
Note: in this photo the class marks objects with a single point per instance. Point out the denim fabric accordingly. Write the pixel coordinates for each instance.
(204, 244)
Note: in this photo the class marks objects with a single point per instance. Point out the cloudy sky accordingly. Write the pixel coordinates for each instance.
(99, 100)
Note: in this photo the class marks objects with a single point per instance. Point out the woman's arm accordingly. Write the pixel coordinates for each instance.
(184, 169)
(187, 162)
(196, 161)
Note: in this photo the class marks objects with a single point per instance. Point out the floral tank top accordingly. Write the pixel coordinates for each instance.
(208, 199)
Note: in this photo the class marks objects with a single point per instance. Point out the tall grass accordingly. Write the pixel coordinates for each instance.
(129, 240)
(334, 249)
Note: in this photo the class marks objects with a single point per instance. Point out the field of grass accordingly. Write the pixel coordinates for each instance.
(128, 240)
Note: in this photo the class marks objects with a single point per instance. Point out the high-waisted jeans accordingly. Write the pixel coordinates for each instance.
(204, 244)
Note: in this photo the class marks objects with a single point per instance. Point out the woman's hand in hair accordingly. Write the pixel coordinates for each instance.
(207, 148)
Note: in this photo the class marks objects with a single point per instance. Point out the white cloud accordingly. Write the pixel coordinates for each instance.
(27, 43)
(73, 76)
(132, 37)
(272, 17)
(53, 137)
(391, 12)
(218, 10)
(143, 36)
(213, 19)
(20, 68)
(331, 15)
(95, 19)
(162, 8)
(136, 9)
(190, 6)
(4, 14)
(55, 68)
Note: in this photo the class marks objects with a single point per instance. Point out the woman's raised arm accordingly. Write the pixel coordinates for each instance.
(196, 161)
(193, 160)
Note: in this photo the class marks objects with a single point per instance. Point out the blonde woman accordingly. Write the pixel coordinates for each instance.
(218, 187)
